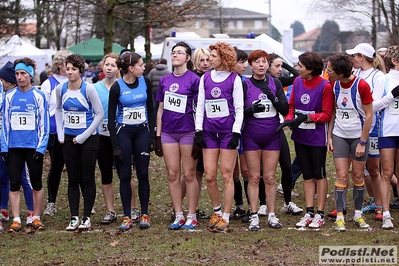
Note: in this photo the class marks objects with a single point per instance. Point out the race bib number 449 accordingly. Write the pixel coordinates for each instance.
(175, 102)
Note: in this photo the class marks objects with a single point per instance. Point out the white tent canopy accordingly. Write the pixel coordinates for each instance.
(156, 49)
(17, 48)
(278, 47)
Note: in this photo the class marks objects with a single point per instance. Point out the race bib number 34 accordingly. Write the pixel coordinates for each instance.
(175, 102)
(22, 121)
(216, 108)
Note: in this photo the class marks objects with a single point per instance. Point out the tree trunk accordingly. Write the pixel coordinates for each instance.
(109, 26)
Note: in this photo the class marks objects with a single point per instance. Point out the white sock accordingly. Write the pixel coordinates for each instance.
(271, 214)
(386, 214)
(17, 219)
(226, 217)
(180, 215)
(357, 214)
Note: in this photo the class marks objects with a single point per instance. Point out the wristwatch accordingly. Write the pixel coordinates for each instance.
(362, 142)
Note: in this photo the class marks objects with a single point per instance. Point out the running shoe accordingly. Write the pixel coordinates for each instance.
(202, 215)
(254, 223)
(333, 213)
(144, 221)
(1, 226)
(51, 209)
(37, 224)
(247, 217)
(85, 224)
(291, 208)
(262, 210)
(394, 204)
(190, 225)
(387, 223)
(274, 222)
(378, 214)
(305, 221)
(4, 216)
(280, 189)
(361, 223)
(369, 207)
(237, 214)
(222, 225)
(177, 224)
(109, 218)
(73, 224)
(317, 222)
(135, 214)
(127, 223)
(29, 218)
(15, 227)
(339, 225)
(213, 221)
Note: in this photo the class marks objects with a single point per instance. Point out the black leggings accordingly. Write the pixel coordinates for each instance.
(80, 160)
(105, 160)
(133, 140)
(57, 164)
(285, 165)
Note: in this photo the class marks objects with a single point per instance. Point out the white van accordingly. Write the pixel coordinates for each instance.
(247, 45)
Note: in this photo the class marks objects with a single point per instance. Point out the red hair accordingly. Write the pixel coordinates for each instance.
(227, 54)
(256, 54)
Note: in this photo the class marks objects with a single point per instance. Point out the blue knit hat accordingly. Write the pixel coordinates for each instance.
(7, 73)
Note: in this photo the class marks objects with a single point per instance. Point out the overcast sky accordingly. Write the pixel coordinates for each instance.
(285, 12)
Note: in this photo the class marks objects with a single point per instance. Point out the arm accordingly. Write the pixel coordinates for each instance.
(238, 98)
(291, 106)
(327, 107)
(98, 114)
(286, 81)
(46, 89)
(150, 107)
(281, 105)
(44, 126)
(368, 109)
(59, 119)
(199, 115)
(112, 105)
(330, 147)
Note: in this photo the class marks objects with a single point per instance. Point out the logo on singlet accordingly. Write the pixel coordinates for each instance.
(29, 107)
(216, 92)
(262, 96)
(174, 87)
(305, 98)
(344, 101)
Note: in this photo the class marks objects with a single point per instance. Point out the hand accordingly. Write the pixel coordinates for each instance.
(199, 139)
(300, 118)
(151, 144)
(266, 90)
(256, 107)
(284, 124)
(233, 143)
(4, 156)
(395, 91)
(37, 155)
(118, 156)
(196, 151)
(158, 146)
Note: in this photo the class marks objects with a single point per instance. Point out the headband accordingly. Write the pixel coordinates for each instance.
(25, 67)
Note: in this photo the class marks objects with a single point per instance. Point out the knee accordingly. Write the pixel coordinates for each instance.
(341, 178)
(254, 180)
(387, 175)
(210, 178)
(269, 180)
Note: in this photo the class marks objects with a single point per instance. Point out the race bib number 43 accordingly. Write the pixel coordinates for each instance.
(216, 108)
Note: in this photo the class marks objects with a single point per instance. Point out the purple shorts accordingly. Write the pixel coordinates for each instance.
(215, 140)
(183, 138)
(269, 141)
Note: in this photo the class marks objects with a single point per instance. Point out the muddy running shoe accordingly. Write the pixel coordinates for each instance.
(237, 214)
(135, 214)
(51, 209)
(15, 227)
(85, 224)
(387, 223)
(127, 223)
(305, 221)
(145, 221)
(292, 208)
(37, 224)
(254, 223)
(339, 225)
(221, 225)
(190, 225)
(213, 221)
(109, 218)
(177, 224)
(73, 224)
(361, 222)
(317, 222)
(262, 210)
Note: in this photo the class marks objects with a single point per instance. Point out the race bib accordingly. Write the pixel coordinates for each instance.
(304, 125)
(270, 111)
(175, 102)
(373, 149)
(74, 120)
(347, 116)
(103, 129)
(134, 116)
(216, 108)
(394, 107)
(23, 121)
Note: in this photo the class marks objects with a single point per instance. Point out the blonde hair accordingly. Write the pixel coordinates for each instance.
(392, 53)
(59, 58)
(117, 58)
(227, 54)
(198, 54)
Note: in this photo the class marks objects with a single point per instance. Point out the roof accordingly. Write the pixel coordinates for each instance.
(237, 13)
(93, 49)
(307, 36)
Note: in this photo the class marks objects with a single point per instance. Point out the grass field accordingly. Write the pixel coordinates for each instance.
(105, 245)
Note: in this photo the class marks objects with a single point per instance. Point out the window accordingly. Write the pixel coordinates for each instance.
(258, 24)
(230, 25)
(211, 24)
(240, 24)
